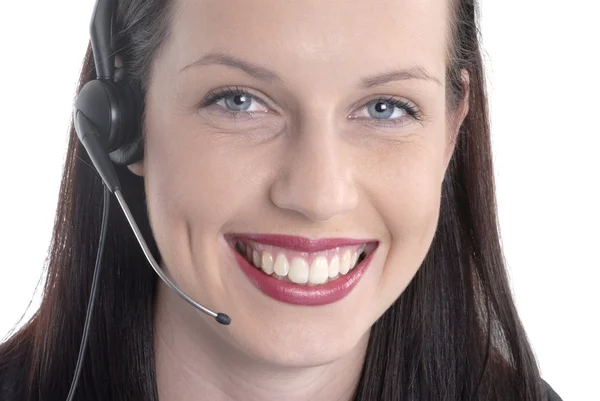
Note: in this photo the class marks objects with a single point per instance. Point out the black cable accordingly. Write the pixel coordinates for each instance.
(90, 308)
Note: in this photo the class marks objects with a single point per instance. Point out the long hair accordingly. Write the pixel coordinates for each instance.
(453, 334)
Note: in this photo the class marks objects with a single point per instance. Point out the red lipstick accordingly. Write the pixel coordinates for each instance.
(302, 294)
(301, 244)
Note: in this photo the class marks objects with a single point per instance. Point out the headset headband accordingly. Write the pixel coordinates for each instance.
(101, 38)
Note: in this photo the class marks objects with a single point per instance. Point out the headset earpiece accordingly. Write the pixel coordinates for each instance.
(115, 109)
(128, 147)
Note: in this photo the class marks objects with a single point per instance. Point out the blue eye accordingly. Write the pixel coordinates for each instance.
(238, 102)
(235, 101)
(383, 111)
(390, 111)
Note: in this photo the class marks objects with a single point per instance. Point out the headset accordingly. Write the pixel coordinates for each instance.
(107, 116)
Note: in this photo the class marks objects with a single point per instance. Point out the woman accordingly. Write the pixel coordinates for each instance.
(321, 172)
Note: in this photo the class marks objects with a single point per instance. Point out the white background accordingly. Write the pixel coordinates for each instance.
(543, 66)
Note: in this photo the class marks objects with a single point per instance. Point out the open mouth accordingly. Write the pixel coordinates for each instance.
(305, 268)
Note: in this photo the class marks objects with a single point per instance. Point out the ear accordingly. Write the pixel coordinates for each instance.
(457, 118)
(137, 168)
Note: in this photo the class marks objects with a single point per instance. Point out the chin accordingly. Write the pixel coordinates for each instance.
(300, 342)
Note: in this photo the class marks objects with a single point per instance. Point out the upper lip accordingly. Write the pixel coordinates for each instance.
(300, 244)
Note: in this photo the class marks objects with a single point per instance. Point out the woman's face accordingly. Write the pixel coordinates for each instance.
(341, 133)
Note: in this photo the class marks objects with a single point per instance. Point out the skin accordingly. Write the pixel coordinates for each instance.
(298, 166)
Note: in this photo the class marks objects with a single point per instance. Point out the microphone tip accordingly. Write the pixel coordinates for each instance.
(223, 319)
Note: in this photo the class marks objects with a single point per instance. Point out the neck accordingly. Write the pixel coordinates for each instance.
(193, 359)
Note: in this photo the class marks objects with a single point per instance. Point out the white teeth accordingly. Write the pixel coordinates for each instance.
(267, 263)
(353, 260)
(334, 267)
(282, 267)
(318, 273)
(345, 262)
(298, 271)
(256, 259)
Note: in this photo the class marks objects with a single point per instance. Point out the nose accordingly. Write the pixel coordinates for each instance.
(315, 179)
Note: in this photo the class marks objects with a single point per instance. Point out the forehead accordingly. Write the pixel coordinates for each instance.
(300, 36)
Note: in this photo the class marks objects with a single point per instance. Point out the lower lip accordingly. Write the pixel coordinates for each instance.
(297, 294)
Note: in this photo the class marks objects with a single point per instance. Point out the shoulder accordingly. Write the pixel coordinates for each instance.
(552, 396)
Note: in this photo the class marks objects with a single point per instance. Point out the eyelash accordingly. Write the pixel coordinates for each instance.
(215, 96)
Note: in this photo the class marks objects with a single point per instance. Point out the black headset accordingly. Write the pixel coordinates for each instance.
(113, 101)
(108, 120)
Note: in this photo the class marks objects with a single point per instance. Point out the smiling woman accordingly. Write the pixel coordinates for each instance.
(321, 171)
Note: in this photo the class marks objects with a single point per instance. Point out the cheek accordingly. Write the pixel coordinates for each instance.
(190, 176)
(405, 187)
(407, 199)
(189, 179)
(414, 206)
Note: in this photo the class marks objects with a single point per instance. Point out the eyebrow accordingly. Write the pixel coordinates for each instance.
(266, 75)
